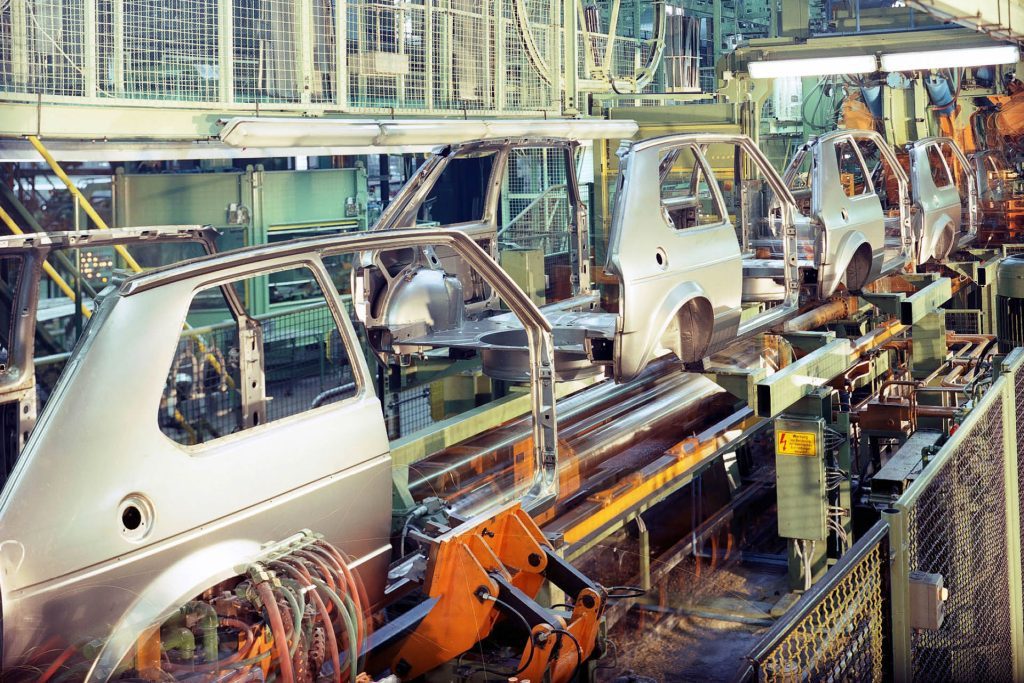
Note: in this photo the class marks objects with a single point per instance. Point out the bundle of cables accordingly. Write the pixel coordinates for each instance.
(299, 615)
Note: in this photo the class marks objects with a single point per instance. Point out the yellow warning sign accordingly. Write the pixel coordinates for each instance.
(796, 443)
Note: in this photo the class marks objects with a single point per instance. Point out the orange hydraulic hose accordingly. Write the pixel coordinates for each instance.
(299, 573)
(326, 550)
(331, 576)
(363, 601)
(277, 628)
(57, 664)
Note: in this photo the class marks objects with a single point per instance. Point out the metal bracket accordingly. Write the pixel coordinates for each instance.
(808, 341)
(887, 303)
(250, 357)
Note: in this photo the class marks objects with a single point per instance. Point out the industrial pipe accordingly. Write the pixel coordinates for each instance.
(838, 308)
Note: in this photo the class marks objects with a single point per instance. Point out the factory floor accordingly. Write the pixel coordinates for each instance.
(702, 630)
(702, 620)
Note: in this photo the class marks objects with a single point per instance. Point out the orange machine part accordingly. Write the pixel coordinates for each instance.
(855, 114)
(507, 542)
(583, 626)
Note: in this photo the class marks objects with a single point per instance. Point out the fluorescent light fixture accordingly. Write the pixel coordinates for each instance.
(409, 134)
(818, 66)
(950, 59)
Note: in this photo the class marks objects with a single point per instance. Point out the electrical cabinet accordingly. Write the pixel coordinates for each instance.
(800, 478)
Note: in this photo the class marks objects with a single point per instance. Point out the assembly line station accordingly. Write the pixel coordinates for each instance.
(509, 340)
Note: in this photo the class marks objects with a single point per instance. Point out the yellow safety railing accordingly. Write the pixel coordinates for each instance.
(47, 268)
(77, 194)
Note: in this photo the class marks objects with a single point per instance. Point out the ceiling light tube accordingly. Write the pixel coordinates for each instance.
(817, 66)
(950, 59)
(296, 132)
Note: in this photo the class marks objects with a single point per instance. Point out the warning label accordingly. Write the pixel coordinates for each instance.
(796, 443)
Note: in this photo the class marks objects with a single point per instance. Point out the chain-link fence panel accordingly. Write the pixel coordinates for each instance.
(956, 527)
(43, 47)
(838, 630)
(965, 321)
(360, 56)
(537, 217)
(305, 363)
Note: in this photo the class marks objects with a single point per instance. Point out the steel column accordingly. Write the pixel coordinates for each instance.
(1011, 367)
(899, 596)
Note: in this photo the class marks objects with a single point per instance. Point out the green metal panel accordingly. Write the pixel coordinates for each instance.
(315, 196)
(178, 198)
(289, 197)
(899, 595)
(800, 478)
(929, 338)
(926, 300)
(265, 206)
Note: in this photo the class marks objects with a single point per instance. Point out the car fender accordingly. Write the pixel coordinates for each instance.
(836, 267)
(932, 235)
(635, 349)
(172, 588)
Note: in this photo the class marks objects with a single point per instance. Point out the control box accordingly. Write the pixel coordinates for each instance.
(800, 478)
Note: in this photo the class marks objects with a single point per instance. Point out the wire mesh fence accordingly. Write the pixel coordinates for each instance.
(961, 535)
(965, 321)
(838, 630)
(363, 56)
(1018, 443)
(305, 366)
(409, 410)
(43, 47)
(537, 216)
(960, 521)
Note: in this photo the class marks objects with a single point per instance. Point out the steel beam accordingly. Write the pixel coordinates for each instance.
(916, 306)
(787, 386)
(1001, 19)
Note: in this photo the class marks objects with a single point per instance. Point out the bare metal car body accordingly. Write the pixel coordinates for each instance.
(862, 242)
(992, 175)
(71, 570)
(682, 290)
(30, 251)
(945, 197)
(1000, 206)
(681, 283)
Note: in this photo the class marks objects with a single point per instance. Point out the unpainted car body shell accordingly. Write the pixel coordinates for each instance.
(939, 226)
(851, 225)
(682, 290)
(72, 573)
